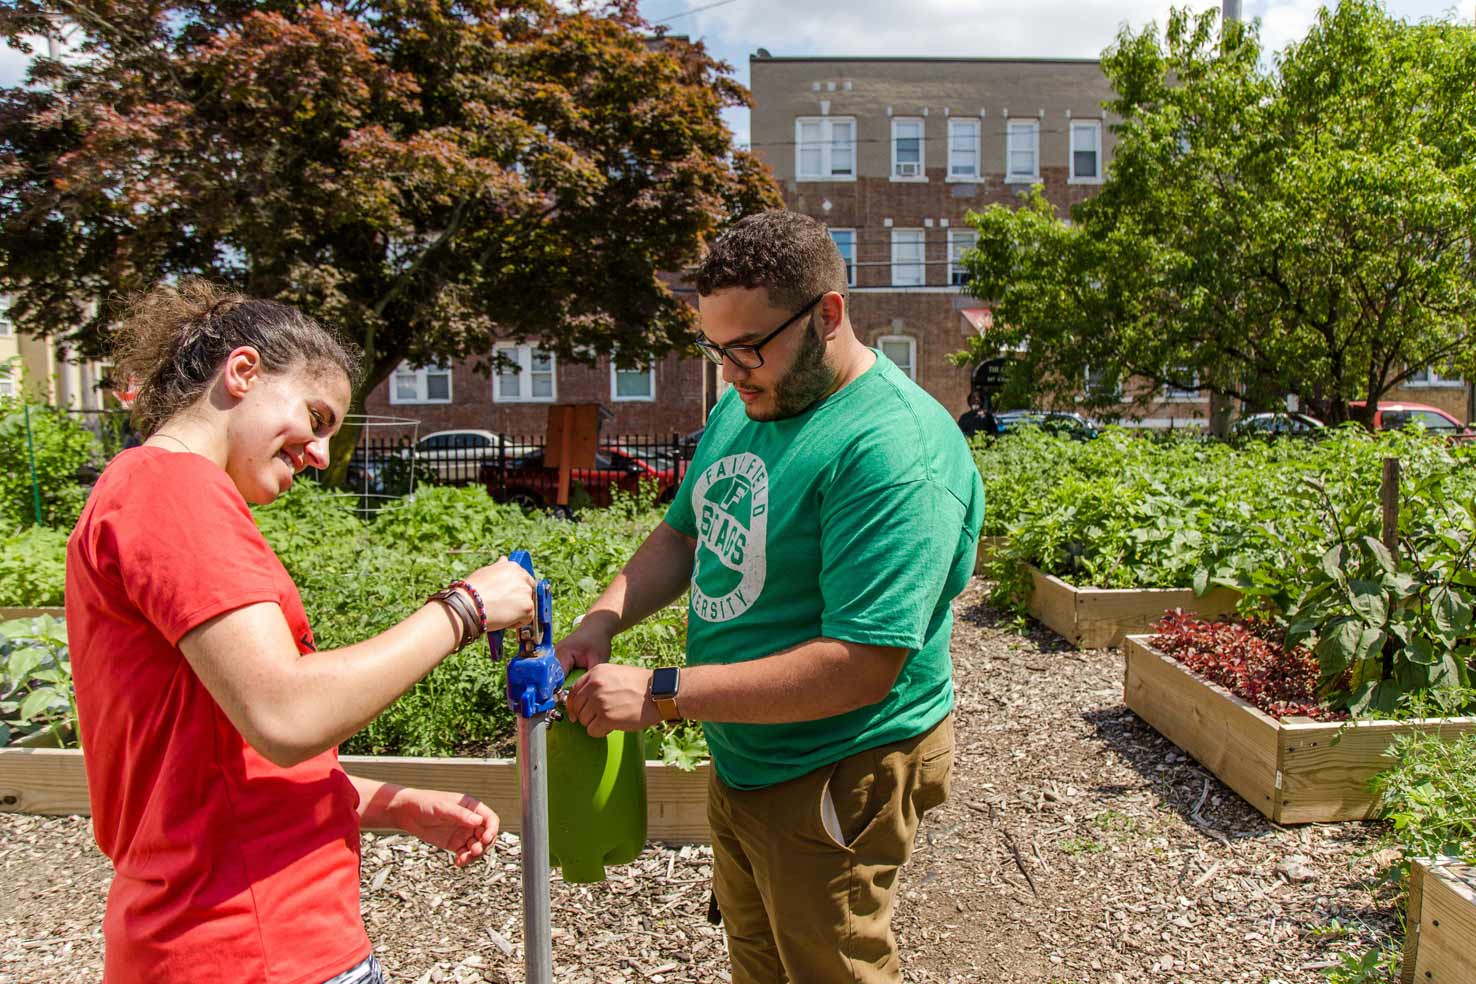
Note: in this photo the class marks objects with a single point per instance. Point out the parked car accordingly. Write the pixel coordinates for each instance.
(1393, 416)
(1276, 424)
(1072, 425)
(528, 482)
(457, 455)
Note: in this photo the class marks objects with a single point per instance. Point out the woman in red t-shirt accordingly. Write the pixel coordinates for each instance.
(210, 722)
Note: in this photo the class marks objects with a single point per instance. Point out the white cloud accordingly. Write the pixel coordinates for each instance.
(966, 28)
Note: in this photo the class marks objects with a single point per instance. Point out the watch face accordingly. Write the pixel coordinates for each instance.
(664, 682)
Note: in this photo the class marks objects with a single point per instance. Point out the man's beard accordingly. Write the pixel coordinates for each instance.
(806, 381)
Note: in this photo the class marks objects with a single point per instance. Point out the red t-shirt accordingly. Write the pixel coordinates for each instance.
(227, 867)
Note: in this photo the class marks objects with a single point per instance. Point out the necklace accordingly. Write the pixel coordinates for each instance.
(176, 440)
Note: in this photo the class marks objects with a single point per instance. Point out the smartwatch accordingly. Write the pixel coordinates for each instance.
(664, 685)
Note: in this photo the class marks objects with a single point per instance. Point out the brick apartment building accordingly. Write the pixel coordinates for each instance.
(891, 153)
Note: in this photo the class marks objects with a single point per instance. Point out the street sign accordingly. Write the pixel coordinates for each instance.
(989, 375)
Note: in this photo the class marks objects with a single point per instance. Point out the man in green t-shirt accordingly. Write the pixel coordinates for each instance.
(828, 519)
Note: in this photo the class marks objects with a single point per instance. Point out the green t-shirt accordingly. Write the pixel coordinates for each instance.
(856, 520)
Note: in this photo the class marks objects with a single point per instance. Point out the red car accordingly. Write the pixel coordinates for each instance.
(1393, 416)
(527, 482)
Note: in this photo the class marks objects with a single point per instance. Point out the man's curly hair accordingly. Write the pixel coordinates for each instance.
(790, 255)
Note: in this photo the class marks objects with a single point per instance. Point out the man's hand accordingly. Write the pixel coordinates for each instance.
(456, 822)
(611, 697)
(587, 646)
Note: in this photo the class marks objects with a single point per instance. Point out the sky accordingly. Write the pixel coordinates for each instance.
(734, 29)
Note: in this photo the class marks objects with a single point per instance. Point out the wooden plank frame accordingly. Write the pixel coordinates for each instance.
(1094, 618)
(53, 782)
(1440, 934)
(6, 614)
(1293, 771)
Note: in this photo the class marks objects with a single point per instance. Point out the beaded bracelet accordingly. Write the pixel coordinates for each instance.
(476, 599)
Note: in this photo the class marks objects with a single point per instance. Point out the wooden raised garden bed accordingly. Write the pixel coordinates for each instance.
(1440, 934)
(9, 613)
(52, 781)
(1291, 770)
(1091, 618)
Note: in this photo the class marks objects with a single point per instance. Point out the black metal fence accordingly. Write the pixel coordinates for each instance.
(512, 467)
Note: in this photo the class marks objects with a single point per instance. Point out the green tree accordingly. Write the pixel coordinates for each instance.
(425, 174)
(1299, 227)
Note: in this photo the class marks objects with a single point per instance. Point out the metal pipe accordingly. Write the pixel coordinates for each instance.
(533, 786)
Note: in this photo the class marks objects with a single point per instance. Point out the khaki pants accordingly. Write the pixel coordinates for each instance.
(806, 871)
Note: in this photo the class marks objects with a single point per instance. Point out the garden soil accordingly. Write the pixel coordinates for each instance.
(1078, 846)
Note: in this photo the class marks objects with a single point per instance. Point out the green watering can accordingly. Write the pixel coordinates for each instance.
(596, 799)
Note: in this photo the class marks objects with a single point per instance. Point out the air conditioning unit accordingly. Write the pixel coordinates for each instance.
(911, 169)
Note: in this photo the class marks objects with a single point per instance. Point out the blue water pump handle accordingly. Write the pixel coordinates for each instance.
(534, 677)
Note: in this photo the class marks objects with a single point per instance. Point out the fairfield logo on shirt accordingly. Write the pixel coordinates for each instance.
(731, 501)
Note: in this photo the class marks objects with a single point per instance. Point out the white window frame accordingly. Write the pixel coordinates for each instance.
(422, 386)
(826, 146)
(911, 343)
(957, 275)
(954, 142)
(922, 149)
(920, 262)
(649, 372)
(1022, 129)
(1172, 394)
(850, 264)
(522, 354)
(1428, 378)
(1095, 128)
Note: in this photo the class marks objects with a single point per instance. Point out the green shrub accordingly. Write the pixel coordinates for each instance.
(61, 446)
(33, 567)
(36, 681)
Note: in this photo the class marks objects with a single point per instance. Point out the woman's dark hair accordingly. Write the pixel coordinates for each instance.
(788, 254)
(174, 338)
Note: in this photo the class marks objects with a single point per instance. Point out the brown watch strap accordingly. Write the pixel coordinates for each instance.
(667, 708)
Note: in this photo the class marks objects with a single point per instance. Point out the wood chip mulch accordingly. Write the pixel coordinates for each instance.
(1078, 846)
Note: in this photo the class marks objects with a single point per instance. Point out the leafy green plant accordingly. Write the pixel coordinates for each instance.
(1384, 626)
(33, 567)
(61, 446)
(1373, 966)
(36, 681)
(1429, 796)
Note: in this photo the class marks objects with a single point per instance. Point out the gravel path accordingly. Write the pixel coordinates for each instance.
(1079, 846)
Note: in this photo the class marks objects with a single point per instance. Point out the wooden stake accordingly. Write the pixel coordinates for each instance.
(1389, 501)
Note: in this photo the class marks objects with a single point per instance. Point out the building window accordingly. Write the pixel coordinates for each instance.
(7, 385)
(907, 258)
(1086, 152)
(1101, 381)
(1428, 377)
(632, 384)
(6, 327)
(963, 150)
(428, 384)
(907, 149)
(825, 148)
(1023, 151)
(527, 375)
(960, 241)
(1182, 393)
(901, 349)
(845, 241)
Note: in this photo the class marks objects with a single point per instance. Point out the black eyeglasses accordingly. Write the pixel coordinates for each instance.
(748, 356)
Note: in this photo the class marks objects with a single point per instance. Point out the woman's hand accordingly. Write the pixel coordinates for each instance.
(456, 822)
(507, 593)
